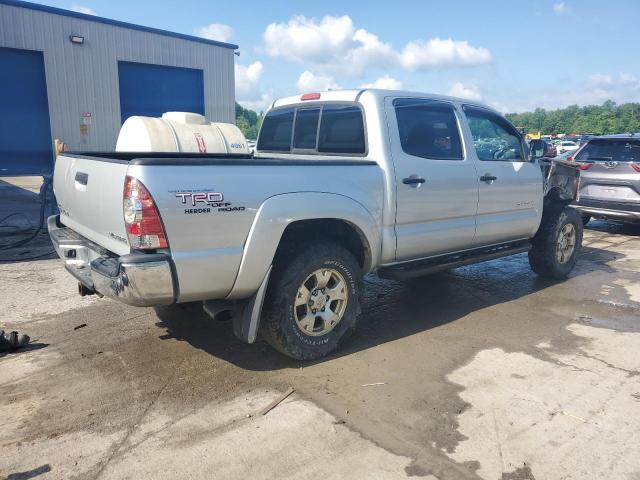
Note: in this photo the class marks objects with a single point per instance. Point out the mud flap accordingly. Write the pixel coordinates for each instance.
(246, 319)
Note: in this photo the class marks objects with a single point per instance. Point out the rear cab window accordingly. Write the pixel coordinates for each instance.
(610, 149)
(326, 129)
(276, 131)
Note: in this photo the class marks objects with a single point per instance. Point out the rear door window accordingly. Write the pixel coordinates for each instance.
(428, 129)
(341, 130)
(613, 150)
(276, 131)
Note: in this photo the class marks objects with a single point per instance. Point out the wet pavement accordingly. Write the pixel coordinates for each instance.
(485, 371)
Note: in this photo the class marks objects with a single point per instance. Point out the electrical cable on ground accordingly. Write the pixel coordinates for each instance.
(43, 204)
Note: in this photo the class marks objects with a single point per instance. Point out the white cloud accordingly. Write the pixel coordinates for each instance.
(386, 83)
(83, 9)
(470, 91)
(305, 39)
(441, 53)
(259, 105)
(248, 91)
(335, 45)
(561, 8)
(215, 31)
(247, 79)
(312, 82)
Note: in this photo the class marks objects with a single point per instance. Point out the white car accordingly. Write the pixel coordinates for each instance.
(567, 146)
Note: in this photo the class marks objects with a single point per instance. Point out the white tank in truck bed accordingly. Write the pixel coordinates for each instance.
(179, 132)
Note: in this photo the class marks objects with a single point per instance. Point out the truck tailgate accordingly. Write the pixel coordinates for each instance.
(89, 195)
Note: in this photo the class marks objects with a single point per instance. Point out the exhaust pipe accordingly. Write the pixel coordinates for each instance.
(84, 291)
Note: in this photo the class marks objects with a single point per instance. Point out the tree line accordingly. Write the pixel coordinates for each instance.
(248, 121)
(597, 119)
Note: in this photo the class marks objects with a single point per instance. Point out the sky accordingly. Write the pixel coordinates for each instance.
(513, 55)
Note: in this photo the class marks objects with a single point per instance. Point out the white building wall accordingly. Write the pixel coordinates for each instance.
(84, 78)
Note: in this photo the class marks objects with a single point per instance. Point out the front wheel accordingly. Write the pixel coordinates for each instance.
(557, 243)
(313, 301)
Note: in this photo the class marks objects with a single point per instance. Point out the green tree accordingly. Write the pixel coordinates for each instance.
(248, 121)
(599, 119)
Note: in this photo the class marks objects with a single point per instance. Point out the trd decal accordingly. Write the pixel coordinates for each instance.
(204, 201)
(194, 198)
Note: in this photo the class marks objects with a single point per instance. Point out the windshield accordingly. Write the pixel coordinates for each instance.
(619, 150)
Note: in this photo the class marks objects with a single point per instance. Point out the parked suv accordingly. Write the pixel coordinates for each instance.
(610, 178)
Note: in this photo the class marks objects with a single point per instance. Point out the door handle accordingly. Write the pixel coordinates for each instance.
(488, 178)
(413, 180)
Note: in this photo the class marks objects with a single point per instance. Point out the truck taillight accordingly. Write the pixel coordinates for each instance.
(141, 217)
(636, 166)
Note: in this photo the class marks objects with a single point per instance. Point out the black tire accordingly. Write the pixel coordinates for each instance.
(279, 327)
(543, 256)
(585, 218)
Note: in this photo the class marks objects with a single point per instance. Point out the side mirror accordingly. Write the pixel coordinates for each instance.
(537, 148)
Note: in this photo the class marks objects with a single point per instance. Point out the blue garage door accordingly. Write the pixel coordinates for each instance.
(25, 133)
(151, 90)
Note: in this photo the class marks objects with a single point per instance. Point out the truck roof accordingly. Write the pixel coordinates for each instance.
(353, 95)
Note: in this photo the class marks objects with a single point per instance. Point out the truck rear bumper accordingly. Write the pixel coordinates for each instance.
(137, 279)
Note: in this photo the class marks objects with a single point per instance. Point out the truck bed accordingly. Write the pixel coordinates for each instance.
(206, 241)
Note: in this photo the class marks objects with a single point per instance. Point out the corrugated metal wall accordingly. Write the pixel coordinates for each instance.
(84, 78)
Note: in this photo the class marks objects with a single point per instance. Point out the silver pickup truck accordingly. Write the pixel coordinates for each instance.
(342, 183)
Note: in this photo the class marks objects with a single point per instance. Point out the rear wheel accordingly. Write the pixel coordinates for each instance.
(313, 301)
(556, 245)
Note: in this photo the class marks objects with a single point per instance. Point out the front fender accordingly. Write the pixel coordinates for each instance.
(277, 212)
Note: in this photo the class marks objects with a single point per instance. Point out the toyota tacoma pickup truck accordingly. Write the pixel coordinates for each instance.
(341, 184)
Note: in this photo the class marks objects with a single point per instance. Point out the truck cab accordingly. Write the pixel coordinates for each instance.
(457, 174)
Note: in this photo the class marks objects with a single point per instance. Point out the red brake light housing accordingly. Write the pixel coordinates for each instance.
(310, 96)
(636, 167)
(142, 220)
(584, 166)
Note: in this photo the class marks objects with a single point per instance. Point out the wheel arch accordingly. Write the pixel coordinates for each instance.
(297, 216)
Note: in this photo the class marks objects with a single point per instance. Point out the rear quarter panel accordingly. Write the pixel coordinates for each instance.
(207, 247)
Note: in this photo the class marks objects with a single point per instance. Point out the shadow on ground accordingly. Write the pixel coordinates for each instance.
(391, 310)
(20, 215)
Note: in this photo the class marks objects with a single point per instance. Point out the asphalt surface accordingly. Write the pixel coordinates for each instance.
(485, 372)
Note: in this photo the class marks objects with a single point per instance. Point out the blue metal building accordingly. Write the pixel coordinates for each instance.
(77, 77)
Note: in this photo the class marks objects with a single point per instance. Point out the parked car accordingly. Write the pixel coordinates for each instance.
(610, 178)
(567, 146)
(342, 183)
